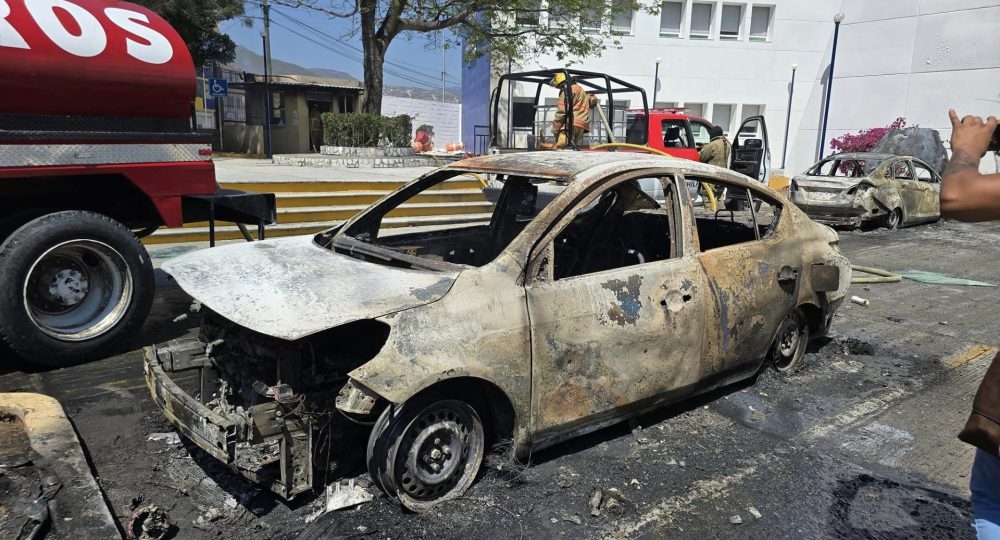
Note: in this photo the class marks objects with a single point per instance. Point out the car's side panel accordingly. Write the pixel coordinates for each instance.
(479, 329)
(926, 193)
(606, 341)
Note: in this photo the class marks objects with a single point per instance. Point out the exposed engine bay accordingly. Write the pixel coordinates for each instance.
(277, 398)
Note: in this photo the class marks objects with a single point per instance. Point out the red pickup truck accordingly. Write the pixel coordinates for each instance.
(98, 147)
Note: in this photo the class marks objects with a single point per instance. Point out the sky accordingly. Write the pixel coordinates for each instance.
(413, 64)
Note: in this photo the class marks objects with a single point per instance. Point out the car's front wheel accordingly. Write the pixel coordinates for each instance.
(894, 220)
(426, 451)
(790, 342)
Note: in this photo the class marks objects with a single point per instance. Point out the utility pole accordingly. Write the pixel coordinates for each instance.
(266, 35)
(443, 68)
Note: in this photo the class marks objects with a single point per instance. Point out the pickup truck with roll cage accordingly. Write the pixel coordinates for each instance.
(526, 126)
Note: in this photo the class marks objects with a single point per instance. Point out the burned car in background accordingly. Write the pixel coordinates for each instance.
(856, 189)
(543, 323)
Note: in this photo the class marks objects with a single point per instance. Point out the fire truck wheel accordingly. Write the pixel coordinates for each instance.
(74, 285)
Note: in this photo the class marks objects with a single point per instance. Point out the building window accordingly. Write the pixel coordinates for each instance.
(695, 109)
(722, 116)
(277, 108)
(732, 20)
(665, 105)
(622, 22)
(760, 23)
(748, 111)
(671, 15)
(701, 21)
(590, 21)
(529, 17)
(559, 18)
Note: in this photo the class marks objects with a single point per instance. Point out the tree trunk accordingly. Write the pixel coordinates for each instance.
(374, 58)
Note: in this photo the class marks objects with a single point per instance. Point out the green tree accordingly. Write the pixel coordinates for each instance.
(197, 22)
(513, 30)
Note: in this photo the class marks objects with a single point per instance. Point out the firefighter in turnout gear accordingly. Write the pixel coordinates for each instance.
(717, 151)
(582, 102)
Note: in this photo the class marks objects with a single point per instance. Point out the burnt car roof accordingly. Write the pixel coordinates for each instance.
(864, 155)
(561, 164)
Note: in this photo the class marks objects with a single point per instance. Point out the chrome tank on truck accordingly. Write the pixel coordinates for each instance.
(98, 147)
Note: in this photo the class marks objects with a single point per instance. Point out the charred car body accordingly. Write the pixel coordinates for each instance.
(854, 189)
(544, 323)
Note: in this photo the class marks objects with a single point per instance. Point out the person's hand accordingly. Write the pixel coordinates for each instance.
(971, 134)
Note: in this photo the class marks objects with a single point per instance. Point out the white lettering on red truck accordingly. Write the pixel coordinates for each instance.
(91, 38)
(8, 34)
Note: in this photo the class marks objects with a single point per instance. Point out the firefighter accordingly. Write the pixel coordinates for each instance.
(582, 102)
(716, 152)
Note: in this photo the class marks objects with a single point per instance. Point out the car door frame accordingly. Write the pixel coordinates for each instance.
(931, 200)
(764, 164)
(689, 304)
(911, 191)
(747, 320)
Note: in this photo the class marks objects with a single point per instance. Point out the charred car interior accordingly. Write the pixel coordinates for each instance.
(549, 320)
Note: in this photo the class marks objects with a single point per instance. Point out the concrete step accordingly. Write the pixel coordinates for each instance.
(378, 184)
(292, 199)
(301, 214)
(231, 232)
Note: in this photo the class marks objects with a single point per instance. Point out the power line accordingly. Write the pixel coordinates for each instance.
(402, 67)
(424, 85)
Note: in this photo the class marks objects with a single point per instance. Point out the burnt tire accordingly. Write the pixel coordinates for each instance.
(790, 342)
(426, 451)
(75, 284)
(893, 220)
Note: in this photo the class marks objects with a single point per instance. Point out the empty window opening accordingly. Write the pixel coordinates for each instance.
(623, 226)
(742, 215)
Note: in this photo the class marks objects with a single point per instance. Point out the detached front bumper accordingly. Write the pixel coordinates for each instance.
(263, 443)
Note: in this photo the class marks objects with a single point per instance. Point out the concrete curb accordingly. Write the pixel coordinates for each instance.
(78, 509)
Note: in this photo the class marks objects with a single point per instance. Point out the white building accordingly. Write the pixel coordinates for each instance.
(730, 59)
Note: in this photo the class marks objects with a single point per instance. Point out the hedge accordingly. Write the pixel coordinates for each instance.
(366, 130)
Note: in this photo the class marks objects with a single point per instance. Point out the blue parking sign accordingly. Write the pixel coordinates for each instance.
(218, 87)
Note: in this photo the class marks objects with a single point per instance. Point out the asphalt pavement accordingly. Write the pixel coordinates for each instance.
(858, 443)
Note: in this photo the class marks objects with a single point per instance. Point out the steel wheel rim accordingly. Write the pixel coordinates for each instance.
(788, 342)
(445, 423)
(894, 218)
(78, 290)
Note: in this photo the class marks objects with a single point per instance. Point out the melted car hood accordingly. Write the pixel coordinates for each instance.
(290, 288)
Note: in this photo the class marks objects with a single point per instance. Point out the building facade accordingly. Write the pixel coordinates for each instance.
(727, 60)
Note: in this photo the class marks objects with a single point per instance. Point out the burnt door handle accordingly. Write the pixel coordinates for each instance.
(788, 274)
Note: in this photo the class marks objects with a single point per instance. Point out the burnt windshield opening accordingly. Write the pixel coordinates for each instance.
(445, 219)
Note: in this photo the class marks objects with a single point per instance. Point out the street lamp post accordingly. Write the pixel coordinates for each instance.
(656, 80)
(837, 19)
(788, 115)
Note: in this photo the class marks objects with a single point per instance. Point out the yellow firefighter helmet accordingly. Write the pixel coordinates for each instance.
(558, 79)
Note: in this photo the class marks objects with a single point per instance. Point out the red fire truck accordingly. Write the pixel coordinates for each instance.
(98, 147)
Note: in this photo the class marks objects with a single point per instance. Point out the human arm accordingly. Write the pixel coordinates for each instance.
(966, 194)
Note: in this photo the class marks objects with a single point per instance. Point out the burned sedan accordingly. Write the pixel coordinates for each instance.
(547, 321)
(855, 189)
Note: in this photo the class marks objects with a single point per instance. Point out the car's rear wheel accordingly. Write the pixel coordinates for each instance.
(790, 342)
(426, 451)
(894, 220)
